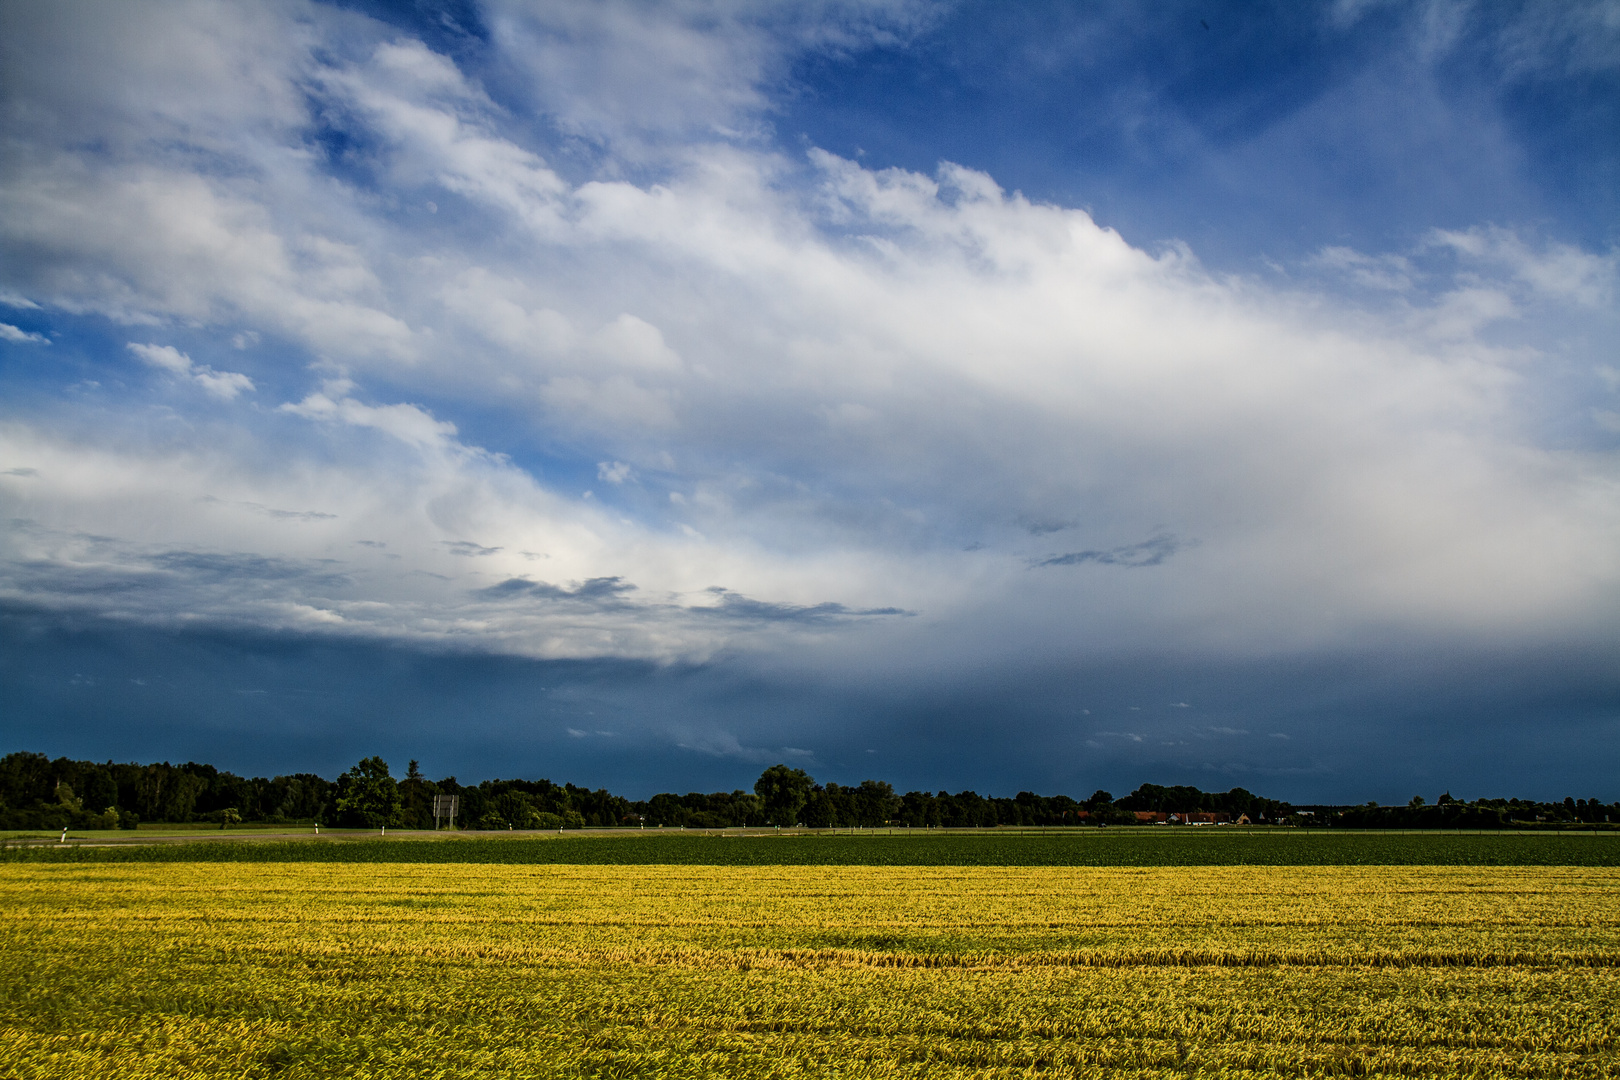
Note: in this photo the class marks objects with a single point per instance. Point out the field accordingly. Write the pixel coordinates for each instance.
(461, 969)
(998, 847)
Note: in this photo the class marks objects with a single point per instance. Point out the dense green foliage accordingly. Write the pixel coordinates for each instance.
(1134, 847)
(782, 793)
(39, 793)
(1449, 813)
(368, 797)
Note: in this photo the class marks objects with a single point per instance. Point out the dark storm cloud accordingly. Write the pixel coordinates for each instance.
(1150, 552)
(608, 593)
(1044, 527)
(599, 591)
(168, 582)
(54, 578)
(241, 566)
(737, 606)
(272, 512)
(469, 549)
(265, 702)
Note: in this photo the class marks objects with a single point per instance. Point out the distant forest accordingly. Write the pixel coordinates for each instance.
(37, 792)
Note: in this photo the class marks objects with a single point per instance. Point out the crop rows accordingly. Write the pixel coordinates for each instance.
(454, 970)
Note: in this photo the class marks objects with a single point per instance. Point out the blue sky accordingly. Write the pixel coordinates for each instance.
(977, 395)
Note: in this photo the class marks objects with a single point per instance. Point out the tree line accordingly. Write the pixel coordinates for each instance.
(37, 792)
(1449, 813)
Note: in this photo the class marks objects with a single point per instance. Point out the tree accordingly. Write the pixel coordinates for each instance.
(512, 810)
(819, 811)
(783, 793)
(875, 802)
(416, 799)
(368, 796)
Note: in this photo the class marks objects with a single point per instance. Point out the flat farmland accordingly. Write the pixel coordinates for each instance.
(455, 969)
(1145, 847)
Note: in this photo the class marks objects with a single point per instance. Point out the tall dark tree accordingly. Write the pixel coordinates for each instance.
(783, 793)
(875, 803)
(416, 799)
(820, 812)
(368, 796)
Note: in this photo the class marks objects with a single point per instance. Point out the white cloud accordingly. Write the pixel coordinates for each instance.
(224, 385)
(1389, 272)
(409, 424)
(1462, 313)
(632, 75)
(1561, 39)
(629, 341)
(20, 336)
(167, 357)
(1557, 272)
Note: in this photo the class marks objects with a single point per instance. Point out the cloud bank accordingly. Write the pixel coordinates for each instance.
(546, 345)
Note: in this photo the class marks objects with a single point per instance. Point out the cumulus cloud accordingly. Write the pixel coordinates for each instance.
(410, 424)
(225, 385)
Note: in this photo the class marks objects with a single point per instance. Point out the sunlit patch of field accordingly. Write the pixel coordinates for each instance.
(453, 970)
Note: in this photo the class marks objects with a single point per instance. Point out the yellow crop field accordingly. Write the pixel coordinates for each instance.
(455, 970)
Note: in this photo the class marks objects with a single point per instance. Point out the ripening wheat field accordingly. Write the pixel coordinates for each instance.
(456, 970)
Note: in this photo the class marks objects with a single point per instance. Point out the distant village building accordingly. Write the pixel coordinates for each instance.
(1191, 817)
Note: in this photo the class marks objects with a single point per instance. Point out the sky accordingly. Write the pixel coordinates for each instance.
(1010, 397)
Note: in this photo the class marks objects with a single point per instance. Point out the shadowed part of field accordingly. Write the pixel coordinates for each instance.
(1121, 847)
